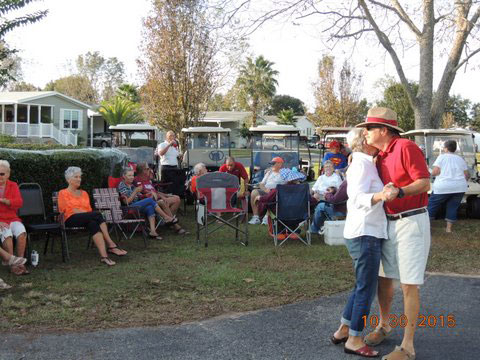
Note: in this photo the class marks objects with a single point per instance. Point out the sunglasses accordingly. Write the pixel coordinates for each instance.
(371, 127)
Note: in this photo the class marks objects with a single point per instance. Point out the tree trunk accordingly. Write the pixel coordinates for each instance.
(422, 108)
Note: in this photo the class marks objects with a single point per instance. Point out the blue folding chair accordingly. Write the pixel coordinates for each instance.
(292, 212)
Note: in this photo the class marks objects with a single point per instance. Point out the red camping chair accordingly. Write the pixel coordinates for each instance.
(216, 192)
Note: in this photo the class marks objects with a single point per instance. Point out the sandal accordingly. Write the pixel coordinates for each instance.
(399, 354)
(376, 336)
(155, 236)
(172, 222)
(107, 260)
(4, 285)
(336, 341)
(115, 250)
(182, 232)
(19, 270)
(365, 351)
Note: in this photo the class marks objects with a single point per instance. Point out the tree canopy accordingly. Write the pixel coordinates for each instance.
(77, 86)
(285, 102)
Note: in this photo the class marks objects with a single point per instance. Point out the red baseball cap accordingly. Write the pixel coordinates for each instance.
(277, 159)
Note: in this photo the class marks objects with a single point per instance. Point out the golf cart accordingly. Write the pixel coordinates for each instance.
(431, 142)
(269, 141)
(138, 141)
(209, 145)
(327, 135)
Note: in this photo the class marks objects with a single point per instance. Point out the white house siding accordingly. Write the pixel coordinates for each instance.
(306, 127)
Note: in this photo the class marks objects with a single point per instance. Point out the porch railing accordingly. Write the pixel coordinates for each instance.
(64, 137)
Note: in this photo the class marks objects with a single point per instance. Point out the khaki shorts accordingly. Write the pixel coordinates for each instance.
(16, 228)
(405, 252)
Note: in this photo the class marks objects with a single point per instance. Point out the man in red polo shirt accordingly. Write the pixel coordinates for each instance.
(402, 168)
(235, 168)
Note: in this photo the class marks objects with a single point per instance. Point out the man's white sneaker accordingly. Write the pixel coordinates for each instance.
(255, 220)
(265, 220)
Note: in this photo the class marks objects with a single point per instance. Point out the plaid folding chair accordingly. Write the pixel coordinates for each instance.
(125, 219)
(216, 192)
(292, 211)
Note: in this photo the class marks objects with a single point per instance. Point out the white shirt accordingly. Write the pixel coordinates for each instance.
(324, 182)
(362, 182)
(272, 179)
(170, 157)
(452, 177)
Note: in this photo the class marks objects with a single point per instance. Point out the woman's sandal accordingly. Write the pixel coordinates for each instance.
(172, 222)
(4, 285)
(115, 250)
(182, 232)
(365, 351)
(155, 236)
(19, 270)
(336, 341)
(107, 260)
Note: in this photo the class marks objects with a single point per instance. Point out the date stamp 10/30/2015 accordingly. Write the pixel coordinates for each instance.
(426, 321)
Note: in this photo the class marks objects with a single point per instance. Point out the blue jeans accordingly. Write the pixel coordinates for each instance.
(452, 202)
(365, 252)
(146, 206)
(323, 211)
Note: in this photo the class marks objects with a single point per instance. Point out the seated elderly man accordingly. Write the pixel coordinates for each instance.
(10, 224)
(270, 181)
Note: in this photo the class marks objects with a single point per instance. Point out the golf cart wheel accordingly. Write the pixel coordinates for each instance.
(473, 207)
(104, 144)
(274, 147)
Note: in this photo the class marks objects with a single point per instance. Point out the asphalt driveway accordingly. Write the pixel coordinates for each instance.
(298, 331)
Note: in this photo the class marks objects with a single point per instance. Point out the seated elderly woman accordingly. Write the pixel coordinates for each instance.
(325, 181)
(147, 206)
(75, 205)
(198, 170)
(168, 203)
(10, 224)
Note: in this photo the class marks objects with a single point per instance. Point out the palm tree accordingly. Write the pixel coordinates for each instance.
(129, 92)
(286, 117)
(121, 111)
(257, 83)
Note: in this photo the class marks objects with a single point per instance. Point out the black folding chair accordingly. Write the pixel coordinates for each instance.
(33, 206)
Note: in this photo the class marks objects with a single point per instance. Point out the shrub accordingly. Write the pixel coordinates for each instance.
(48, 167)
(27, 146)
(6, 139)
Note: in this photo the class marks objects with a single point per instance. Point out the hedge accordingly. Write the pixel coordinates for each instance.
(47, 168)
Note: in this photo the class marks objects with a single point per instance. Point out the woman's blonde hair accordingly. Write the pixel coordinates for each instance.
(356, 139)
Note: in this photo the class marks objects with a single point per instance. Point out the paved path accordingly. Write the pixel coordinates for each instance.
(298, 331)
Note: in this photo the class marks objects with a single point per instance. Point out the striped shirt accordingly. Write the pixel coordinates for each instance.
(127, 191)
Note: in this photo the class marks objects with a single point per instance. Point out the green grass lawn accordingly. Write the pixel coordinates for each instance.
(174, 280)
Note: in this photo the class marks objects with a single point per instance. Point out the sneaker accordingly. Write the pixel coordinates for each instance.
(265, 220)
(255, 220)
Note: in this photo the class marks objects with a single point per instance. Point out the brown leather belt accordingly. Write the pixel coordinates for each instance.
(406, 214)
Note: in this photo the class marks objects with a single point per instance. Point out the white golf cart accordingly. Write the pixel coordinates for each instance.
(209, 145)
(269, 141)
(431, 142)
(327, 135)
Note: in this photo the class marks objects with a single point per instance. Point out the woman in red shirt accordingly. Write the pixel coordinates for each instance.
(10, 224)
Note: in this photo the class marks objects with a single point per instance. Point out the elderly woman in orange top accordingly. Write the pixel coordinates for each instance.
(75, 204)
(10, 224)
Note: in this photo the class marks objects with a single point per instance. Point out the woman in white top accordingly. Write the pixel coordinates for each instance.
(450, 184)
(365, 230)
(325, 181)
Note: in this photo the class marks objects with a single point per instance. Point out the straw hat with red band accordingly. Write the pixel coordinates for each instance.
(381, 116)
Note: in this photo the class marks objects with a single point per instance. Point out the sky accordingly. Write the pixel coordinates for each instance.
(114, 28)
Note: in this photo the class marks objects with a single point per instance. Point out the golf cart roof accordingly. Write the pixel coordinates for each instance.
(436, 132)
(133, 127)
(205, 129)
(320, 130)
(274, 129)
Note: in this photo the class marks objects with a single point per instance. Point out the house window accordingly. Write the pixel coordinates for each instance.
(71, 119)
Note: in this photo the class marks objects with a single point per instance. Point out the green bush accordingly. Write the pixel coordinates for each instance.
(6, 139)
(48, 167)
(19, 146)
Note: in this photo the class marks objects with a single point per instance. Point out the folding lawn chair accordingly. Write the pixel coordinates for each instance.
(122, 218)
(292, 211)
(216, 191)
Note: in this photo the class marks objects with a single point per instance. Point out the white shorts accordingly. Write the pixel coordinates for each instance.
(16, 228)
(405, 252)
